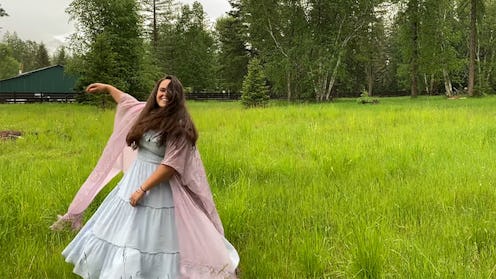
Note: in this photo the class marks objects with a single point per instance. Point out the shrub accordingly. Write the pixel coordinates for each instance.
(255, 92)
(366, 99)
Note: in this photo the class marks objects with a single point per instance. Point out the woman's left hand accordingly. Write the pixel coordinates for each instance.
(135, 197)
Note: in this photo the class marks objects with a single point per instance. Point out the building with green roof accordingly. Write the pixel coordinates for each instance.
(44, 84)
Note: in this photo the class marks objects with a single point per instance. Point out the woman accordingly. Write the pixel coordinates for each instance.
(160, 221)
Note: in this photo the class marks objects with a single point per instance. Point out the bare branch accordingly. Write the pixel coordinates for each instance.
(275, 40)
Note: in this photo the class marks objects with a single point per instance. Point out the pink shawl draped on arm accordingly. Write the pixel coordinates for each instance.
(202, 251)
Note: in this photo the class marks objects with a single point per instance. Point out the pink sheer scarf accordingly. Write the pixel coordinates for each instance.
(115, 158)
(203, 253)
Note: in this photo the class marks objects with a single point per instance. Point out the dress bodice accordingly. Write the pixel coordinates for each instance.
(150, 149)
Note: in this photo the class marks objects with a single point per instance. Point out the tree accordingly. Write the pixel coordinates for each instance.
(303, 43)
(255, 92)
(367, 54)
(103, 62)
(233, 55)
(10, 66)
(429, 47)
(413, 17)
(473, 46)
(187, 50)
(486, 80)
(155, 12)
(113, 27)
(435, 45)
(196, 68)
(42, 60)
(278, 32)
(438, 37)
(408, 40)
(60, 56)
(23, 51)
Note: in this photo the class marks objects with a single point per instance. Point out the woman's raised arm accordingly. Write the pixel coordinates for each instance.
(105, 88)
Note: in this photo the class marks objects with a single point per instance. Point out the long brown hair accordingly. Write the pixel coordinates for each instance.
(171, 121)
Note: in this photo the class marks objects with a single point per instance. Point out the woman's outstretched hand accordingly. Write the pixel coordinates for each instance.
(105, 88)
(97, 88)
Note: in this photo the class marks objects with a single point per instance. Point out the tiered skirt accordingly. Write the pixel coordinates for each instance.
(121, 241)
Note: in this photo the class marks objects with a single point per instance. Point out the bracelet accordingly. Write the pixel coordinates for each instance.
(141, 189)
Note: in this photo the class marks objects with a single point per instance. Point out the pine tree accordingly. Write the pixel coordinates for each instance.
(255, 92)
(112, 27)
(155, 13)
(42, 58)
(60, 56)
(233, 55)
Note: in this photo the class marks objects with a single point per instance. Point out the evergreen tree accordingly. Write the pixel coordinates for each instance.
(103, 62)
(233, 55)
(155, 13)
(255, 92)
(113, 27)
(42, 59)
(187, 50)
(60, 56)
(233, 51)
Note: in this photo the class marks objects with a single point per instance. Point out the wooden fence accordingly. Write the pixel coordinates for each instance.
(213, 96)
(13, 98)
(21, 98)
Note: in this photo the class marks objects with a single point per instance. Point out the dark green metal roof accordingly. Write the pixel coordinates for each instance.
(45, 80)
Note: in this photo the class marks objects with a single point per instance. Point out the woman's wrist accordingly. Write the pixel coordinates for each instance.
(142, 189)
(108, 88)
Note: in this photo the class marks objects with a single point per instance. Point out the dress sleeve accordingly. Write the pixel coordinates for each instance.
(127, 101)
(177, 153)
(128, 105)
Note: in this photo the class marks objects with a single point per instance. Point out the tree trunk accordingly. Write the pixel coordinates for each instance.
(370, 80)
(489, 71)
(447, 84)
(427, 87)
(329, 88)
(322, 87)
(432, 83)
(316, 82)
(415, 45)
(155, 29)
(414, 79)
(288, 80)
(473, 47)
(333, 78)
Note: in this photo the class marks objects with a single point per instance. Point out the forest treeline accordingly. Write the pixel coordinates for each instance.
(309, 49)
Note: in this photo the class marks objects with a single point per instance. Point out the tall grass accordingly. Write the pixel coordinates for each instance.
(402, 189)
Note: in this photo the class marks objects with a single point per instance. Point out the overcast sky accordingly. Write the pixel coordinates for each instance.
(46, 21)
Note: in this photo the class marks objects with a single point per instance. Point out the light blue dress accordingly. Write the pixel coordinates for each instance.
(121, 241)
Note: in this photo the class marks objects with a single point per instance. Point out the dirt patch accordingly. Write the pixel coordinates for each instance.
(10, 134)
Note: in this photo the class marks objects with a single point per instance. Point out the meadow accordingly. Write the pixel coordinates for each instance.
(401, 189)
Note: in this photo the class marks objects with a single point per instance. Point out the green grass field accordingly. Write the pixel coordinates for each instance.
(402, 189)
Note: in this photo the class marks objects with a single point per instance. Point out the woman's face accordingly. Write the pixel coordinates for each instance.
(161, 97)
